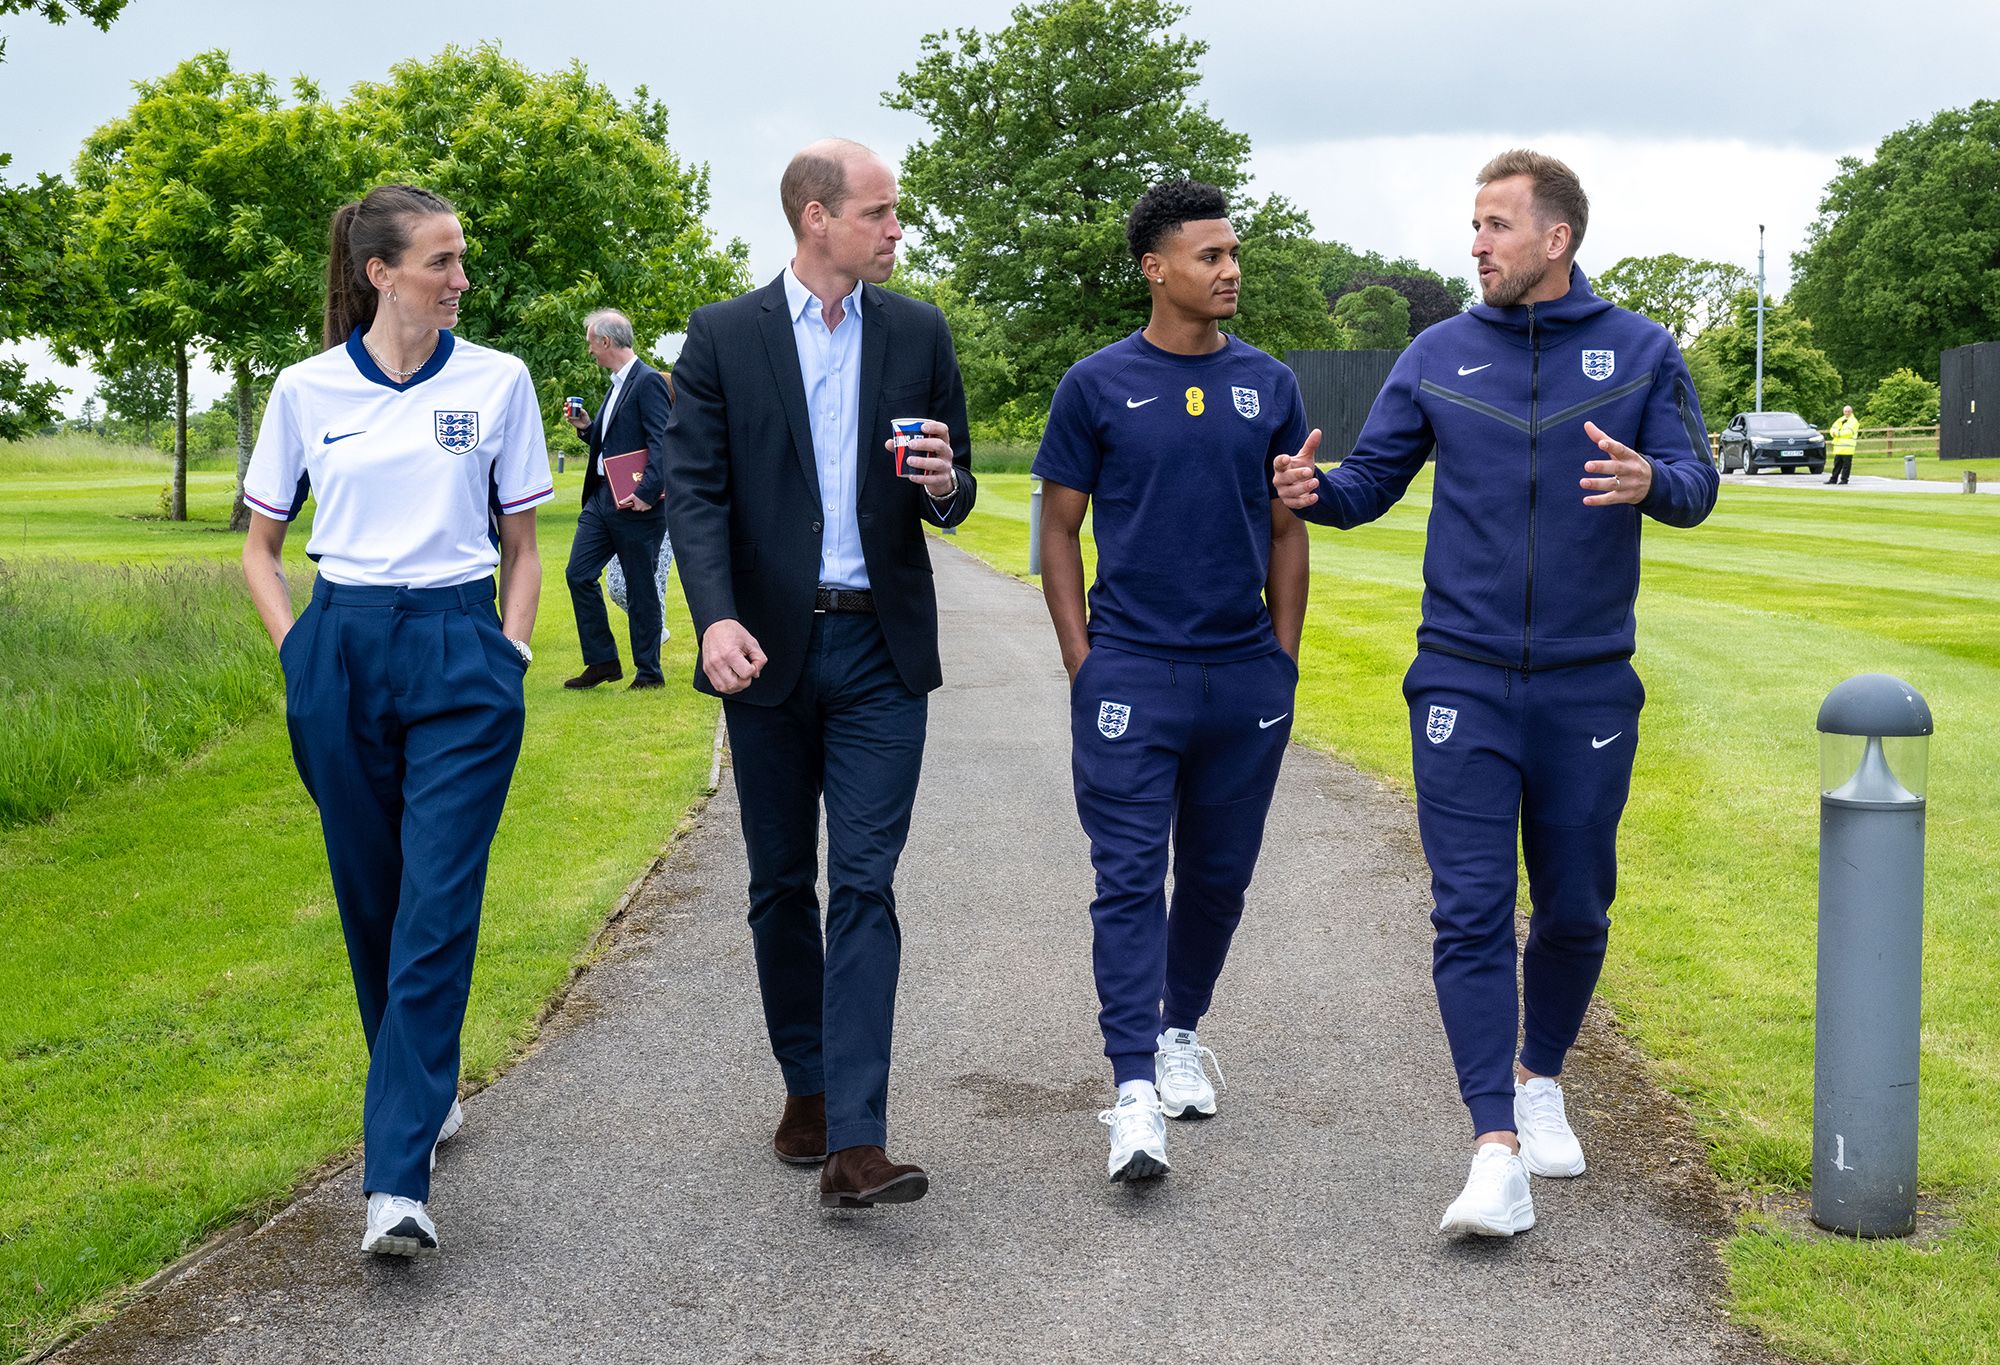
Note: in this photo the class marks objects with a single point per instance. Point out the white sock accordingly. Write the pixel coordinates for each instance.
(1143, 1089)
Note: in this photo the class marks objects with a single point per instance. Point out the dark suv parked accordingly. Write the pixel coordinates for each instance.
(1771, 440)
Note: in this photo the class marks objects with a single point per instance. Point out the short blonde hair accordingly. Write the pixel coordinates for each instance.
(1557, 195)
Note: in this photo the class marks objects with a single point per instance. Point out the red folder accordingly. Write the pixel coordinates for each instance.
(625, 472)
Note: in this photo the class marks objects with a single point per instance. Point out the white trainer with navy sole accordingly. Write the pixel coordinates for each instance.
(1495, 1201)
(1184, 1088)
(1138, 1139)
(1548, 1146)
(398, 1227)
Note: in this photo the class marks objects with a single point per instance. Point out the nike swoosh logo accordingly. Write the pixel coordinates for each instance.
(330, 438)
(1139, 402)
(1267, 724)
(1600, 743)
(1463, 372)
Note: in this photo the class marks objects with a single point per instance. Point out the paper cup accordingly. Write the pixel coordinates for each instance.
(907, 429)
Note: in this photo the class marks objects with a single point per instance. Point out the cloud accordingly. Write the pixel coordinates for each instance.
(1412, 196)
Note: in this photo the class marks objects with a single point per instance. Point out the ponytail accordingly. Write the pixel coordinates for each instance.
(376, 226)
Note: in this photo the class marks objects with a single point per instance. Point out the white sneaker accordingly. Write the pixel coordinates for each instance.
(398, 1227)
(453, 1121)
(1548, 1147)
(1182, 1083)
(1495, 1201)
(1138, 1139)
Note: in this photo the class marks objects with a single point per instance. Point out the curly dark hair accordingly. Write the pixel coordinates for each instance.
(1163, 209)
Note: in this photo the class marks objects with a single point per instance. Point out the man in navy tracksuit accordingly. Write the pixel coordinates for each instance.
(1183, 676)
(1524, 707)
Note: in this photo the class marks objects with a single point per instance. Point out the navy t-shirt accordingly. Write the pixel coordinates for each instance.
(1175, 452)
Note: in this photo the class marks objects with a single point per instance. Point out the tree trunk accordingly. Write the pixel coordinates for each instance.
(246, 401)
(177, 508)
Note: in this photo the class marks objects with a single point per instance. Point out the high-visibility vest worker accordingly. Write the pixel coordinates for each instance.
(1842, 434)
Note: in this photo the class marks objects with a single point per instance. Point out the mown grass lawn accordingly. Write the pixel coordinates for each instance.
(178, 1037)
(1745, 623)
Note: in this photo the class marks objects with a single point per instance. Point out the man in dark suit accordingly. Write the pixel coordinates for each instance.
(629, 527)
(804, 561)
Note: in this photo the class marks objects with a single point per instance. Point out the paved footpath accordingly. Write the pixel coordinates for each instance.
(613, 1197)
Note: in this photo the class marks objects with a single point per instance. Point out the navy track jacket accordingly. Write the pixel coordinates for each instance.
(1518, 572)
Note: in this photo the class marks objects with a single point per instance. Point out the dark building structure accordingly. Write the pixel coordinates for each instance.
(1339, 387)
(1968, 401)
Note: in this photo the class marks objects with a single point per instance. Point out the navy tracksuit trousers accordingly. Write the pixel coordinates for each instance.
(1182, 755)
(1542, 761)
(405, 711)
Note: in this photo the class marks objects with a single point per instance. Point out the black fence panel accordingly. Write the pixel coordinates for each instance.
(1969, 402)
(1338, 388)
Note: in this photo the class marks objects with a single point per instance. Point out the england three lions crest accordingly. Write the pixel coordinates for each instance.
(1112, 718)
(1245, 400)
(1598, 365)
(1443, 718)
(458, 431)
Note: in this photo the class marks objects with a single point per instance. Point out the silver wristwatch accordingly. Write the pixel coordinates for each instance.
(521, 648)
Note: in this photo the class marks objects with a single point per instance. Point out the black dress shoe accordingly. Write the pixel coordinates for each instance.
(593, 674)
(644, 682)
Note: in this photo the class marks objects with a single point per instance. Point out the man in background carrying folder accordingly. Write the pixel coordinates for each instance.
(621, 518)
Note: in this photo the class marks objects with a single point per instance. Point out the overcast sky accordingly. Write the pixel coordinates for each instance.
(1690, 123)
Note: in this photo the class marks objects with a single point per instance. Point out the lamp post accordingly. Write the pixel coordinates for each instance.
(1874, 756)
(1034, 528)
(1758, 403)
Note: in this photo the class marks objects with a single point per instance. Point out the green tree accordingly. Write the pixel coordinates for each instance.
(1432, 297)
(1797, 375)
(201, 215)
(98, 12)
(31, 230)
(1376, 318)
(1684, 296)
(1075, 109)
(137, 390)
(1904, 259)
(36, 290)
(1282, 308)
(571, 201)
(982, 358)
(1904, 398)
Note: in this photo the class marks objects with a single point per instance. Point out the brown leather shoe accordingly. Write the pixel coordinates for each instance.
(593, 674)
(801, 1137)
(862, 1177)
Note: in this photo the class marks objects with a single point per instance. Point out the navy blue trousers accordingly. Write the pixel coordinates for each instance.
(605, 532)
(404, 706)
(1181, 757)
(853, 734)
(1541, 762)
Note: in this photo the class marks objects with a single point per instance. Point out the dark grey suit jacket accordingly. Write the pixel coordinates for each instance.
(639, 421)
(746, 515)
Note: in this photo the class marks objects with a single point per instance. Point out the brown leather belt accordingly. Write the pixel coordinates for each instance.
(845, 600)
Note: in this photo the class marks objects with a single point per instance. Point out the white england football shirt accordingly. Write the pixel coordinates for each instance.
(407, 476)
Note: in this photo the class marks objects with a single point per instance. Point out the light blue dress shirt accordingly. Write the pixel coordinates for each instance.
(830, 365)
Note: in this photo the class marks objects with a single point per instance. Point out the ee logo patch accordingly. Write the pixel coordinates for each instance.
(1194, 401)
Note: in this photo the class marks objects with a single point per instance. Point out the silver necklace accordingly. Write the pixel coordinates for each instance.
(396, 375)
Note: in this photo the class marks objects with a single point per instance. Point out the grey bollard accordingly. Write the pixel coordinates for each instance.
(1874, 752)
(1034, 528)
(1909, 466)
(1972, 481)
(562, 461)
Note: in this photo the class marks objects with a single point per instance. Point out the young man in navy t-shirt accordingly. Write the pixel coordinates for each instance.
(1183, 671)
